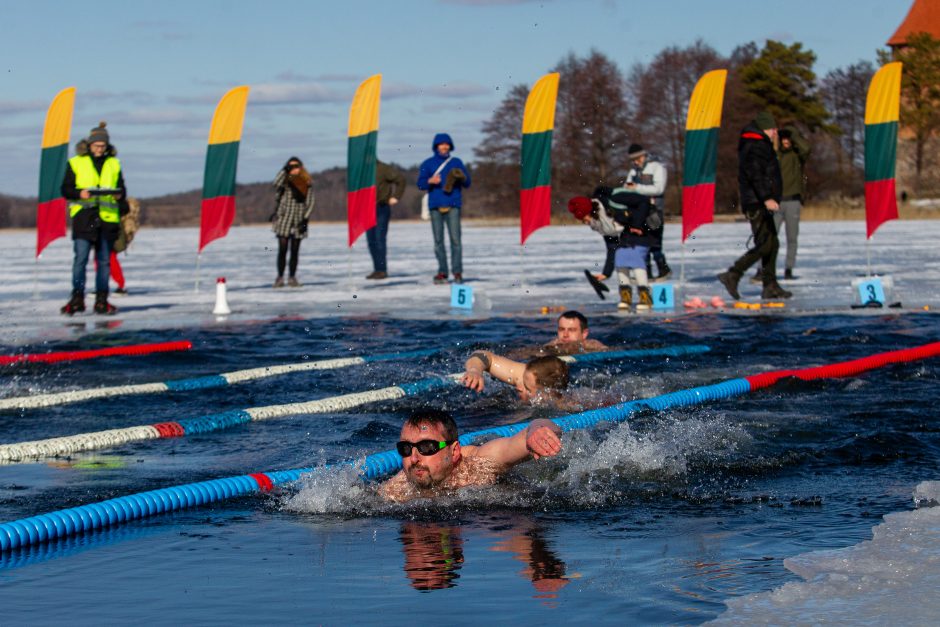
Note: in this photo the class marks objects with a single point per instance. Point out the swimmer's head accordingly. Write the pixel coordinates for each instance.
(427, 465)
(543, 377)
(572, 327)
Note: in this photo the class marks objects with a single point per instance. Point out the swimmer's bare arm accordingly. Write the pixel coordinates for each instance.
(501, 368)
(542, 438)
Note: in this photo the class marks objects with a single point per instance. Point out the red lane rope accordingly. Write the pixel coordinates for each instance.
(264, 482)
(847, 368)
(133, 349)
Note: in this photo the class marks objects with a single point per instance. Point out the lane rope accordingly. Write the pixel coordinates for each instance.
(75, 520)
(199, 383)
(133, 349)
(67, 445)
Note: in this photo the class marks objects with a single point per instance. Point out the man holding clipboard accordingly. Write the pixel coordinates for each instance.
(94, 187)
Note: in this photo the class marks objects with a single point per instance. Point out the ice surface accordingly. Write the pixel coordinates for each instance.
(509, 280)
(892, 577)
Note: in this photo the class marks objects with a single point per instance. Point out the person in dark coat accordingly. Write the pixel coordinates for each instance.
(631, 210)
(389, 187)
(760, 187)
(295, 200)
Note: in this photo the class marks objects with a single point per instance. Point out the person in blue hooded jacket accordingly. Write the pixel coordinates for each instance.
(443, 176)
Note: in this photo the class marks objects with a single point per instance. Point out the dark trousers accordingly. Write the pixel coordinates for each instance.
(282, 243)
(765, 247)
(377, 237)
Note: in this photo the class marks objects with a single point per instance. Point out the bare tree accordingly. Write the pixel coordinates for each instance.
(661, 92)
(844, 91)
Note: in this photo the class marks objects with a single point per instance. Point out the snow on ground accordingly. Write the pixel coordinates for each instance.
(508, 279)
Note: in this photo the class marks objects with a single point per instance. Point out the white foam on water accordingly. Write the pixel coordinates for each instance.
(892, 577)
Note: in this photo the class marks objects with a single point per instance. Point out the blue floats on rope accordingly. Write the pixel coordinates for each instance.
(667, 351)
(67, 522)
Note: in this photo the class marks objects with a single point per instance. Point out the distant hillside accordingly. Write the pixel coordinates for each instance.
(255, 202)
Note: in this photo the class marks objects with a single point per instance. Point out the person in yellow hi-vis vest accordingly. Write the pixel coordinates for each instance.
(94, 187)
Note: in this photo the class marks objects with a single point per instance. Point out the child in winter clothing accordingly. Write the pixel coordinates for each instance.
(631, 210)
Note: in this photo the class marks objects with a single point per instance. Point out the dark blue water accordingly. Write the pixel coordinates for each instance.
(658, 520)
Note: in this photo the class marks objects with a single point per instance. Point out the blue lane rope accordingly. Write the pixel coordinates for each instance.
(62, 523)
(202, 383)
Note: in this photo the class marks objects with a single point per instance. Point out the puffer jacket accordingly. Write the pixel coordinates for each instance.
(758, 171)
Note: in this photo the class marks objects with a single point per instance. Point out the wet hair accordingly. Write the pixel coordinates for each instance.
(432, 418)
(572, 314)
(550, 373)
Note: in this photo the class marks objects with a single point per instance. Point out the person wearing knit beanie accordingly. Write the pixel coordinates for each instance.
(99, 134)
(765, 121)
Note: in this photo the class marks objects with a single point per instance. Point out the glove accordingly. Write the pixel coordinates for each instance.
(302, 228)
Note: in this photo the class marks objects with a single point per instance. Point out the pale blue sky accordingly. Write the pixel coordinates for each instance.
(155, 70)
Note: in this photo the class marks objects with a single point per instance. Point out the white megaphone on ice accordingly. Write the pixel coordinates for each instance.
(221, 298)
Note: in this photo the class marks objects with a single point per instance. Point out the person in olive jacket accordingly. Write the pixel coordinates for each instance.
(389, 187)
(760, 188)
(793, 153)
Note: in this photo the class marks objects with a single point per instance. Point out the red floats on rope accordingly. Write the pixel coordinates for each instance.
(134, 349)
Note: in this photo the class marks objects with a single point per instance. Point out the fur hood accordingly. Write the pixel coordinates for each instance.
(81, 149)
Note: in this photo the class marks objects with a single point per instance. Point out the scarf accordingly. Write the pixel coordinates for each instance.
(300, 184)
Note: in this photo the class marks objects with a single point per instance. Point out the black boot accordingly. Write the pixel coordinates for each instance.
(75, 305)
(730, 280)
(773, 290)
(102, 306)
(664, 270)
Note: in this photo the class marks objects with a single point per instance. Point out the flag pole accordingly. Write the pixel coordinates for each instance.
(198, 261)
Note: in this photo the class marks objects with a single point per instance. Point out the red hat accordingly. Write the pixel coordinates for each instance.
(580, 207)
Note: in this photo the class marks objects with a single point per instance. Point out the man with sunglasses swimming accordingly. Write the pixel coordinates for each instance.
(434, 462)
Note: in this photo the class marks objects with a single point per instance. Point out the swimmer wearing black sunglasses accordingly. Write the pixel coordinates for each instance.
(434, 462)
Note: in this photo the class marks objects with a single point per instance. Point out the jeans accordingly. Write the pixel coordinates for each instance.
(82, 248)
(765, 245)
(376, 237)
(790, 213)
(452, 219)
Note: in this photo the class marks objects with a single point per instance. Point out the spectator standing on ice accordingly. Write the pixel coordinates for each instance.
(793, 153)
(294, 188)
(443, 176)
(389, 187)
(760, 188)
(94, 187)
(648, 178)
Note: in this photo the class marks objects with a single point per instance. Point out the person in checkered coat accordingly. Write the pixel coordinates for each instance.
(294, 188)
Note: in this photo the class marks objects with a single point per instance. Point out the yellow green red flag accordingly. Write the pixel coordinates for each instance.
(881, 146)
(701, 151)
(361, 157)
(538, 123)
(50, 213)
(218, 187)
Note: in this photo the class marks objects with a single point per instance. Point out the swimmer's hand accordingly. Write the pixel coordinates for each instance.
(543, 438)
(473, 379)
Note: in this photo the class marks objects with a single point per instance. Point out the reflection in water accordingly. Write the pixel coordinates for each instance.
(433, 555)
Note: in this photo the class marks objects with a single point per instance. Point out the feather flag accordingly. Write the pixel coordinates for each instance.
(360, 157)
(218, 187)
(881, 146)
(701, 151)
(538, 123)
(50, 214)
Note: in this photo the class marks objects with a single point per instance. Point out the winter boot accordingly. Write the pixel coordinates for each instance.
(730, 280)
(626, 297)
(664, 270)
(773, 290)
(75, 305)
(646, 299)
(788, 274)
(102, 306)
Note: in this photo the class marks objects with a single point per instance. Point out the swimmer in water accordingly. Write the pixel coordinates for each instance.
(573, 336)
(539, 380)
(434, 462)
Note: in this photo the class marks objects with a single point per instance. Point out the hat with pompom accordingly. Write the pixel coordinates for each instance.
(99, 134)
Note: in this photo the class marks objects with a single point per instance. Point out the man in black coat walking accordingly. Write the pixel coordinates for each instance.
(760, 187)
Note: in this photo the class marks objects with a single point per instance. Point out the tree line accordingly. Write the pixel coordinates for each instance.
(601, 110)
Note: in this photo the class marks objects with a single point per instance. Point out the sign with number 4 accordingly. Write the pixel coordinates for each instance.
(663, 296)
(461, 296)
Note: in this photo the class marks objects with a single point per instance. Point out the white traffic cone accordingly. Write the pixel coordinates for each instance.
(221, 300)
